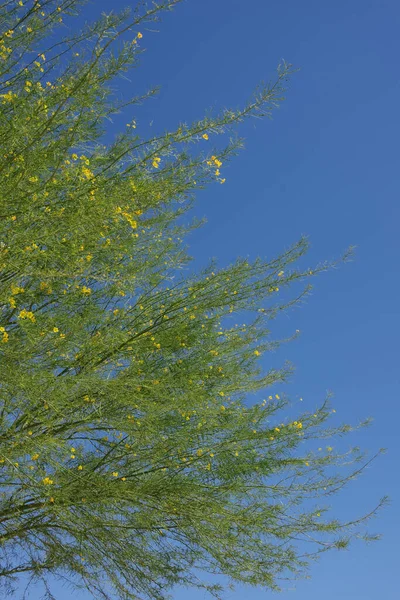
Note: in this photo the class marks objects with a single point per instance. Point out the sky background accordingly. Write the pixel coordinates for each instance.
(327, 166)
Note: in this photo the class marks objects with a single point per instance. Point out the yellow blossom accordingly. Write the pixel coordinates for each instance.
(27, 314)
(8, 97)
(205, 136)
(140, 35)
(115, 473)
(257, 353)
(47, 481)
(80, 468)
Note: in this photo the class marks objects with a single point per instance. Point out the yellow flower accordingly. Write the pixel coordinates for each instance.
(114, 473)
(299, 425)
(74, 156)
(27, 314)
(35, 456)
(55, 329)
(123, 478)
(277, 396)
(222, 180)
(47, 481)
(140, 35)
(205, 136)
(80, 468)
(280, 274)
(9, 97)
(156, 162)
(29, 29)
(86, 290)
(257, 353)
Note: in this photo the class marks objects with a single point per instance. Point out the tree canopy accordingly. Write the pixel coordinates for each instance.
(132, 458)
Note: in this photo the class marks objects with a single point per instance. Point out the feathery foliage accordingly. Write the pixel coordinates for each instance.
(130, 458)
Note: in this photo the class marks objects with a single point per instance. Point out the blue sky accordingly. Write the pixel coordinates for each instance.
(325, 166)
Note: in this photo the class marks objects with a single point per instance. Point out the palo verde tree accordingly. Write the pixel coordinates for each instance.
(131, 459)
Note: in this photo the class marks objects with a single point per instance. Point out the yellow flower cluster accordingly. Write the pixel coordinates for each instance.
(156, 162)
(4, 50)
(45, 287)
(27, 314)
(15, 289)
(9, 96)
(87, 173)
(132, 222)
(4, 336)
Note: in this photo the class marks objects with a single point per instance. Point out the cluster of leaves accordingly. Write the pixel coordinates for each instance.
(129, 456)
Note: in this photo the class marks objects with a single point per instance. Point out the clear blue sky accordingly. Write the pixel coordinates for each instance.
(327, 165)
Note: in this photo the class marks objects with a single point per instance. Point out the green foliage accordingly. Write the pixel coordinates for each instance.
(130, 458)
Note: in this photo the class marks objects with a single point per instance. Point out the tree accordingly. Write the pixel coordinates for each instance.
(130, 456)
